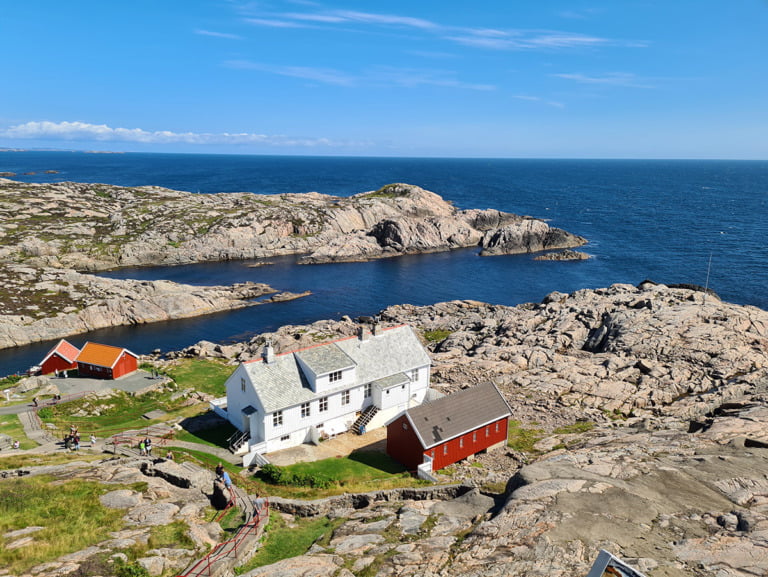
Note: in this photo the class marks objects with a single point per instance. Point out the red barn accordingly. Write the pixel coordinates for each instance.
(60, 358)
(449, 429)
(105, 361)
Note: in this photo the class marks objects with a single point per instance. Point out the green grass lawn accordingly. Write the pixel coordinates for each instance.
(283, 542)
(72, 518)
(11, 426)
(107, 416)
(204, 375)
(215, 436)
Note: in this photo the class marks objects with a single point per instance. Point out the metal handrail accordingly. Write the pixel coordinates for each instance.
(223, 550)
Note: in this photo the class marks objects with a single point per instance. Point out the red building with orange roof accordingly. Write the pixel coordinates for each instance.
(105, 361)
(62, 357)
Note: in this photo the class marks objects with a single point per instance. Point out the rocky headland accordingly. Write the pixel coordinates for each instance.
(645, 411)
(49, 231)
(648, 408)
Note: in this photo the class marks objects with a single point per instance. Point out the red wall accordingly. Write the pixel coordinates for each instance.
(404, 446)
(56, 362)
(457, 452)
(126, 364)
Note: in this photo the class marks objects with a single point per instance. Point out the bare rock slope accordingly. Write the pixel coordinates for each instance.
(670, 474)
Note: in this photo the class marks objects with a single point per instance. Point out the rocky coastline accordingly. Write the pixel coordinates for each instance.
(646, 408)
(53, 235)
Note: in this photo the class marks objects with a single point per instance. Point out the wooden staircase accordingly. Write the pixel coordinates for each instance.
(365, 418)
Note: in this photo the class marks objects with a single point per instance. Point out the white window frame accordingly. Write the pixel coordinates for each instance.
(345, 397)
(323, 404)
(305, 410)
(334, 376)
(277, 419)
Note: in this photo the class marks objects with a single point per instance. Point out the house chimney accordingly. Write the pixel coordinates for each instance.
(268, 354)
(363, 333)
(376, 328)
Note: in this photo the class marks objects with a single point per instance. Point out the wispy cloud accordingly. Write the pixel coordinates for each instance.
(420, 77)
(75, 131)
(218, 34)
(275, 23)
(380, 76)
(478, 37)
(529, 98)
(322, 75)
(526, 40)
(610, 79)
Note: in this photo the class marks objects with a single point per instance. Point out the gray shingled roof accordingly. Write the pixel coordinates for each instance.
(325, 359)
(456, 414)
(280, 384)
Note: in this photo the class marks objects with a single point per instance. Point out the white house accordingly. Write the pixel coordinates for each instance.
(282, 401)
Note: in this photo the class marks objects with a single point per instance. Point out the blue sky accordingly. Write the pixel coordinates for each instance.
(493, 78)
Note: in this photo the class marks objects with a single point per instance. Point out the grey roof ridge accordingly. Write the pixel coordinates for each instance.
(323, 344)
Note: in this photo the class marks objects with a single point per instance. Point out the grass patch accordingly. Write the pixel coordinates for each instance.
(20, 461)
(436, 336)
(107, 416)
(175, 535)
(577, 427)
(522, 439)
(11, 425)
(284, 542)
(71, 516)
(359, 473)
(204, 375)
(214, 436)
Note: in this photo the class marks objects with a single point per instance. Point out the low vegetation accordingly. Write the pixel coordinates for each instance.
(359, 473)
(70, 518)
(522, 439)
(283, 541)
(11, 426)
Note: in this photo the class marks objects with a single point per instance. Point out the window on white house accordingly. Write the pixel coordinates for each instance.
(334, 376)
(345, 398)
(277, 419)
(368, 390)
(304, 410)
(323, 404)
(415, 375)
(285, 437)
(242, 384)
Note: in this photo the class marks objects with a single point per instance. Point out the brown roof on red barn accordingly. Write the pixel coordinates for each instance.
(453, 415)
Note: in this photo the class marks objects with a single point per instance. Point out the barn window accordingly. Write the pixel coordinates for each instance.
(461, 443)
(474, 437)
(242, 384)
(405, 426)
(445, 449)
(497, 426)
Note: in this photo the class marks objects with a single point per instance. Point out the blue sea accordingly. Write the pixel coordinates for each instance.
(671, 221)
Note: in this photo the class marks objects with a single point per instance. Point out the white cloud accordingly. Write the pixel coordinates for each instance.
(274, 23)
(610, 79)
(218, 34)
(525, 40)
(322, 75)
(79, 131)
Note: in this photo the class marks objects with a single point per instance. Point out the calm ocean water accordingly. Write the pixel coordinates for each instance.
(645, 219)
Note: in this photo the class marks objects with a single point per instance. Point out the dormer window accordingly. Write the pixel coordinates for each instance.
(334, 376)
